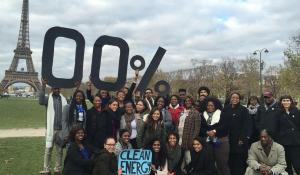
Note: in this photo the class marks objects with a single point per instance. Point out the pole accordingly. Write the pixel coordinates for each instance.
(260, 74)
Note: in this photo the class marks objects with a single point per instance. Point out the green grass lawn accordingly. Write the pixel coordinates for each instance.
(21, 155)
(21, 113)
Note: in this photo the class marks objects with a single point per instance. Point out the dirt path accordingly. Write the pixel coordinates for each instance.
(22, 132)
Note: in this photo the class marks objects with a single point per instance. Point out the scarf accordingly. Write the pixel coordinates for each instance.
(215, 118)
(50, 119)
(253, 109)
(150, 104)
(128, 119)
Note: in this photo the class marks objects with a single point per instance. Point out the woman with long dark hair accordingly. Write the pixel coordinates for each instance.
(78, 159)
(201, 160)
(215, 132)
(141, 109)
(174, 154)
(161, 104)
(159, 157)
(78, 109)
(108, 124)
(289, 132)
(153, 128)
(237, 118)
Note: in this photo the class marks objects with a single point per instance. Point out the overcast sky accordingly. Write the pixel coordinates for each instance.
(200, 29)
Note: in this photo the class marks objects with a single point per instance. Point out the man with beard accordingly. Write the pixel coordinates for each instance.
(56, 126)
(266, 157)
(203, 92)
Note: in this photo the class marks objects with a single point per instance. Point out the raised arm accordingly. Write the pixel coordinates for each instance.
(43, 99)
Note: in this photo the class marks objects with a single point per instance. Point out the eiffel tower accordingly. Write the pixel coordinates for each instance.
(12, 75)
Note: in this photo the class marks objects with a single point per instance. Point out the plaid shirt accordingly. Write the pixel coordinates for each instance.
(191, 129)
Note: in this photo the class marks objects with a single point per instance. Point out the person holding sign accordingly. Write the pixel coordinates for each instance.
(153, 128)
(123, 142)
(131, 122)
(78, 160)
(106, 162)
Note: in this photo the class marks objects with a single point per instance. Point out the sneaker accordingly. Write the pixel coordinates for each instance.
(45, 172)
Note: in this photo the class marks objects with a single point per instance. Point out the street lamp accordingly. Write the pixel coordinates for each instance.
(260, 66)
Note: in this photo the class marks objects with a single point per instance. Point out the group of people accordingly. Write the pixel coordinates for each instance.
(185, 135)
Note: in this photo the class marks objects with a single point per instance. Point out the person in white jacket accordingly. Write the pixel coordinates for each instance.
(56, 126)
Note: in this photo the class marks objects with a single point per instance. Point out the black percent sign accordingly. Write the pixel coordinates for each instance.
(48, 52)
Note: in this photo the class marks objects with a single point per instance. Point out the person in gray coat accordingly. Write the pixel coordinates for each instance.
(266, 157)
(161, 104)
(133, 123)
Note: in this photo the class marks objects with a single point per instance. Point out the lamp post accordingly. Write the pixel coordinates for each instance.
(260, 66)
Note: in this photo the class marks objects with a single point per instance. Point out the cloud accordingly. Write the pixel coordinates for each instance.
(186, 29)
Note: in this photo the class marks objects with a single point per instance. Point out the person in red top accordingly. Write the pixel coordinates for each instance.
(175, 110)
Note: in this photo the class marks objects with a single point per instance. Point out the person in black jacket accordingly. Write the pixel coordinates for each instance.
(214, 129)
(78, 160)
(78, 109)
(266, 114)
(94, 115)
(288, 128)
(238, 120)
(108, 124)
(202, 160)
(106, 162)
(103, 94)
(252, 106)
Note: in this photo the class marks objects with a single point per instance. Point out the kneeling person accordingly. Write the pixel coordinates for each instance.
(266, 157)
